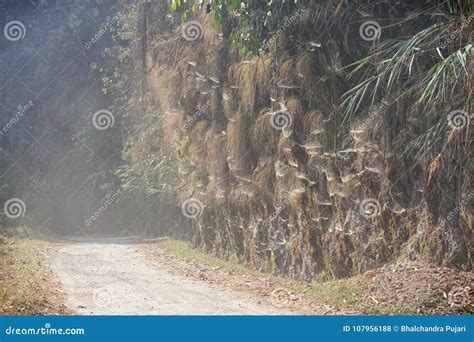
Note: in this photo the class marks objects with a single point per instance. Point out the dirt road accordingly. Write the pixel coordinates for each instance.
(110, 278)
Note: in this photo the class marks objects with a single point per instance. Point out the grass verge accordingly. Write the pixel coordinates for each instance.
(336, 293)
(25, 287)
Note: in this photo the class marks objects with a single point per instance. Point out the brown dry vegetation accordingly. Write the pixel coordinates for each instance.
(289, 201)
(404, 288)
(27, 286)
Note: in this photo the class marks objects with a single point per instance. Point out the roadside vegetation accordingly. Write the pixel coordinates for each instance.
(26, 286)
(337, 293)
(403, 288)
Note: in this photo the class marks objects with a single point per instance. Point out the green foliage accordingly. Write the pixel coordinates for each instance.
(417, 66)
(133, 182)
(165, 175)
(257, 19)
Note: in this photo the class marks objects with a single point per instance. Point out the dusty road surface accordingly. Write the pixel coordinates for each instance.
(110, 278)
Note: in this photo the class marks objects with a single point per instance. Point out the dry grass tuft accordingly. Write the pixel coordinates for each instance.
(305, 72)
(263, 134)
(265, 175)
(174, 123)
(294, 106)
(237, 145)
(165, 84)
(286, 71)
(216, 156)
(262, 75)
(285, 144)
(243, 76)
(196, 150)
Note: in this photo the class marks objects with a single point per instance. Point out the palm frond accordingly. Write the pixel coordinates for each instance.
(416, 64)
(445, 75)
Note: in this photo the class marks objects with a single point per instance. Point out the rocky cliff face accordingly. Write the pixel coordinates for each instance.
(274, 176)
